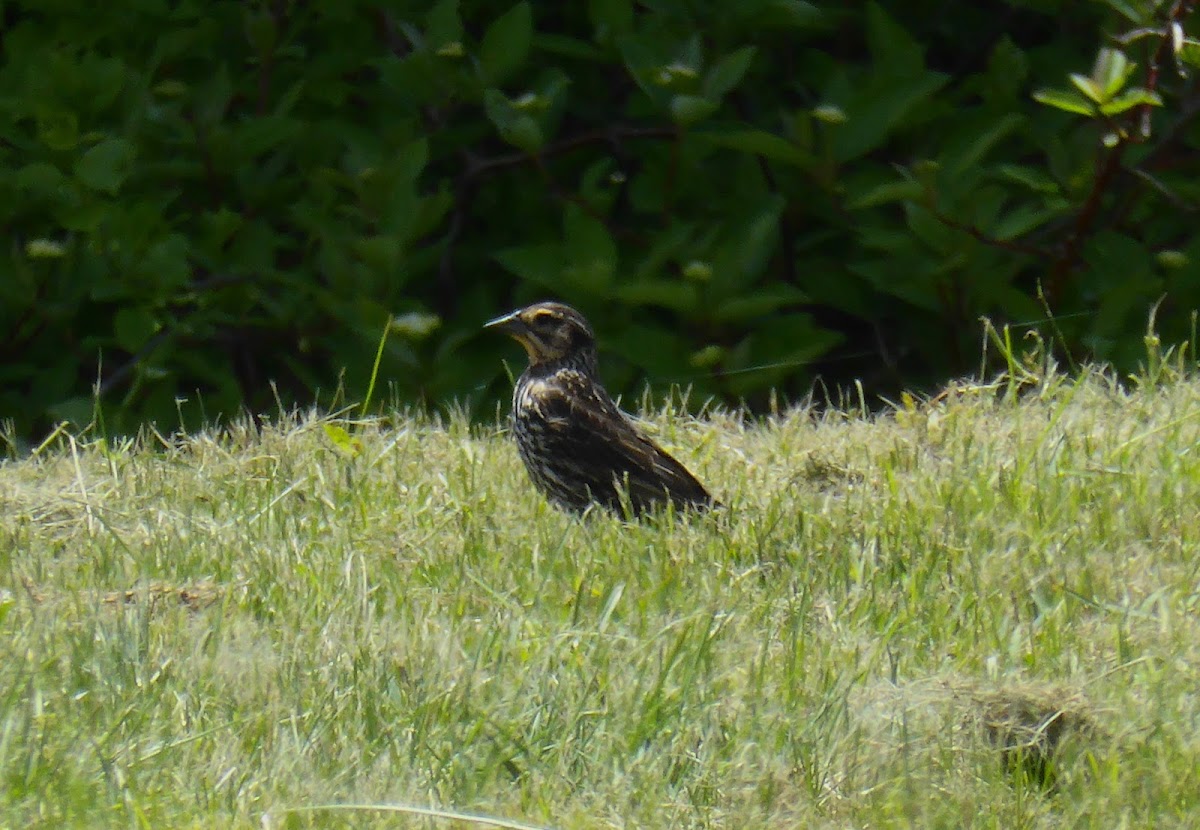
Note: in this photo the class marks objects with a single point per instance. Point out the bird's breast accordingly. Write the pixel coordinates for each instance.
(527, 398)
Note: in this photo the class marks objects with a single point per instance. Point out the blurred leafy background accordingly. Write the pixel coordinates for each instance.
(217, 206)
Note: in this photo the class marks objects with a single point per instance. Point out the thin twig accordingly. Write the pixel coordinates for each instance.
(396, 43)
(1165, 43)
(1167, 139)
(1069, 257)
(476, 168)
(611, 135)
(974, 232)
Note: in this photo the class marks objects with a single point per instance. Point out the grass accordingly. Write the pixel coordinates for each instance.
(980, 611)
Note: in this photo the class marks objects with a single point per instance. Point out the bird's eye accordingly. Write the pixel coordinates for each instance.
(543, 319)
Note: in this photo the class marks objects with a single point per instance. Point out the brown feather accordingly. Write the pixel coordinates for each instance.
(577, 445)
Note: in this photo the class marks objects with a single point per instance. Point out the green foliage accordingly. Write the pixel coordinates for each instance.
(1104, 92)
(222, 205)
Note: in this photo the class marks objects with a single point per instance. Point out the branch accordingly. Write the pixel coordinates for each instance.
(1068, 259)
(390, 30)
(206, 159)
(974, 232)
(16, 339)
(612, 135)
(136, 359)
(1178, 11)
(478, 168)
(180, 310)
(464, 193)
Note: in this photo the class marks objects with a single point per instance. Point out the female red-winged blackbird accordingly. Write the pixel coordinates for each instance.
(577, 445)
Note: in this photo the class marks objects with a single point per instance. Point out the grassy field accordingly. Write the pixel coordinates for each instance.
(982, 611)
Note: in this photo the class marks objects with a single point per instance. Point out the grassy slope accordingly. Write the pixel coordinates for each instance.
(415, 625)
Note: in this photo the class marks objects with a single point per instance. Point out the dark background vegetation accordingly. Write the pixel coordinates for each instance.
(212, 206)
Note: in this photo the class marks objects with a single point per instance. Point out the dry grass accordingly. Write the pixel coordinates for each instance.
(980, 611)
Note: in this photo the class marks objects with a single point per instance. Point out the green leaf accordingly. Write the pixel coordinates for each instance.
(912, 287)
(84, 215)
(792, 13)
(746, 248)
(928, 228)
(658, 351)
(551, 88)
(79, 410)
(261, 31)
(1021, 221)
(1111, 71)
(540, 263)
(667, 245)
(707, 357)
(775, 349)
(1189, 52)
(829, 114)
(765, 300)
(590, 249)
(499, 109)
(1129, 99)
(42, 248)
(691, 55)
(105, 166)
(1007, 70)
(676, 295)
(213, 96)
(881, 194)
(1121, 271)
(516, 127)
(443, 26)
(728, 72)
(697, 270)
(345, 443)
(415, 325)
(1133, 14)
(610, 18)
(759, 142)
(256, 136)
(568, 47)
(643, 65)
(895, 52)
(691, 109)
(969, 149)
(1090, 89)
(1031, 177)
(1066, 100)
(58, 130)
(132, 327)
(382, 252)
(505, 45)
(165, 262)
(1171, 259)
(218, 227)
(40, 178)
(875, 113)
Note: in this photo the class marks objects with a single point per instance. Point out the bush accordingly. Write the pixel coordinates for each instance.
(217, 205)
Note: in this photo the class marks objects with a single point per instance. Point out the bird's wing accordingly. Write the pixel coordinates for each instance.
(585, 425)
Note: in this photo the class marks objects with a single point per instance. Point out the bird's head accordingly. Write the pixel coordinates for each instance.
(550, 333)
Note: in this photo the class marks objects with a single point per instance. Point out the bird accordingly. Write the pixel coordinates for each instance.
(578, 447)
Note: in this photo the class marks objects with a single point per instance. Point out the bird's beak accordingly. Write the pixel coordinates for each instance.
(517, 329)
(510, 324)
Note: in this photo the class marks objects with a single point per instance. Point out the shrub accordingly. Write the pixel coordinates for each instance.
(214, 205)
